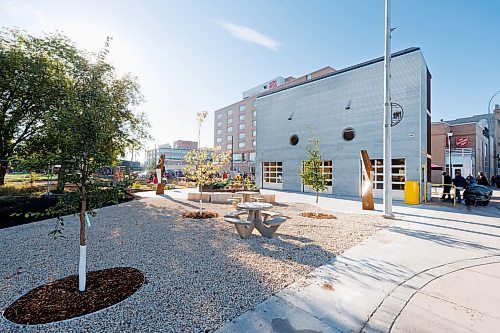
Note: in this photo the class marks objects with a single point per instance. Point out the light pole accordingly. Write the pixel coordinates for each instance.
(489, 130)
(232, 154)
(387, 191)
(450, 134)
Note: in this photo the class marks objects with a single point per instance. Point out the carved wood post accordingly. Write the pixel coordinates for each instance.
(367, 192)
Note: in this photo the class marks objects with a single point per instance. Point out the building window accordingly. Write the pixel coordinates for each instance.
(219, 124)
(398, 173)
(254, 113)
(251, 157)
(241, 145)
(243, 107)
(230, 129)
(254, 103)
(219, 132)
(348, 134)
(229, 137)
(219, 115)
(219, 140)
(253, 143)
(254, 123)
(229, 112)
(241, 135)
(254, 133)
(242, 117)
(228, 147)
(294, 140)
(272, 172)
(309, 76)
(229, 121)
(242, 126)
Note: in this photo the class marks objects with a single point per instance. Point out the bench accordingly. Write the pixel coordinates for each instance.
(244, 228)
(269, 228)
(257, 199)
(235, 213)
(268, 214)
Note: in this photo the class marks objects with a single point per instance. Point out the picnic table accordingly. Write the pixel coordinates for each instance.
(247, 195)
(266, 228)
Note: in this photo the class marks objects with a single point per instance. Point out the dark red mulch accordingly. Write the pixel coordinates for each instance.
(319, 216)
(198, 215)
(61, 299)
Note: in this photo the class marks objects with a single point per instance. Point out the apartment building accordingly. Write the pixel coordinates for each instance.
(174, 156)
(235, 126)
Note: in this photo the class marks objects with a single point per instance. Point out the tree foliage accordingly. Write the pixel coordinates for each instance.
(31, 83)
(312, 175)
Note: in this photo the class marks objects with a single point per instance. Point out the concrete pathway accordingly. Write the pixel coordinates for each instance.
(434, 269)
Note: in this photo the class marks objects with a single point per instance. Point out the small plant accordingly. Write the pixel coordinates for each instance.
(136, 186)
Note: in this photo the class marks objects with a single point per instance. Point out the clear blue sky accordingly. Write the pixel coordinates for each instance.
(200, 55)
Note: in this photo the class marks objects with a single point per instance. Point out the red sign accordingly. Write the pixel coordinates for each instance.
(462, 141)
(273, 84)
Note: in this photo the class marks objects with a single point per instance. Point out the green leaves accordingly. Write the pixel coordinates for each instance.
(312, 174)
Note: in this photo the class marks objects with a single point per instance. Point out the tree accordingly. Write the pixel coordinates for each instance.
(31, 82)
(312, 174)
(201, 167)
(93, 124)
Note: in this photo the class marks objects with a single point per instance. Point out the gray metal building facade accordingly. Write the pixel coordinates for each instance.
(351, 98)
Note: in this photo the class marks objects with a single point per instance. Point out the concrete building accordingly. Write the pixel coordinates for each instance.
(174, 157)
(235, 126)
(344, 109)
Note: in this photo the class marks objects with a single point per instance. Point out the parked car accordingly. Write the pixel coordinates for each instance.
(477, 195)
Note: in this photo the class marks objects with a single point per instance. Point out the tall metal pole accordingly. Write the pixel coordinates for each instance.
(232, 154)
(387, 191)
(489, 133)
(449, 156)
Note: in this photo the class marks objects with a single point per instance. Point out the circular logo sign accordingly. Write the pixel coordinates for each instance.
(396, 114)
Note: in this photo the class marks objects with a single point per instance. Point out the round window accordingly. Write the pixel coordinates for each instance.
(348, 134)
(294, 139)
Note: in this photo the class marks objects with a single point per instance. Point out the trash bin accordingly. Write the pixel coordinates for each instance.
(412, 192)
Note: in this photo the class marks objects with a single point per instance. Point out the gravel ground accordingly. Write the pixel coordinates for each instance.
(199, 273)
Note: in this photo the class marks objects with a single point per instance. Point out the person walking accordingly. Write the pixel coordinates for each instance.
(460, 184)
(481, 179)
(446, 186)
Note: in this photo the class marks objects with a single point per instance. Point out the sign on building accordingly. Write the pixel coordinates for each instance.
(462, 141)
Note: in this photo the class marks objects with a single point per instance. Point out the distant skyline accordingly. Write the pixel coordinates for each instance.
(191, 56)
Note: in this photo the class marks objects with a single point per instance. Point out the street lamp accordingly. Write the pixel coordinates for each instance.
(450, 134)
(489, 130)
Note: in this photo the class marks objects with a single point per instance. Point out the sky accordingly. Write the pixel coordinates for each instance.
(191, 56)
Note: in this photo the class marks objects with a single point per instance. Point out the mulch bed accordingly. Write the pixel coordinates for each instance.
(319, 216)
(61, 299)
(198, 215)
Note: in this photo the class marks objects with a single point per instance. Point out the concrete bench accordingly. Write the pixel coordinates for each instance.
(196, 197)
(266, 214)
(257, 199)
(235, 213)
(269, 228)
(244, 228)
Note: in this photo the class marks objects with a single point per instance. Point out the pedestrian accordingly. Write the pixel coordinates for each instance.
(460, 184)
(471, 181)
(446, 186)
(481, 179)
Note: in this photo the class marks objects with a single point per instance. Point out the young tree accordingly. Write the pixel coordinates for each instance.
(312, 174)
(93, 125)
(201, 167)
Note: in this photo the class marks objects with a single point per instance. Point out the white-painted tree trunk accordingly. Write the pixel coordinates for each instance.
(201, 202)
(82, 268)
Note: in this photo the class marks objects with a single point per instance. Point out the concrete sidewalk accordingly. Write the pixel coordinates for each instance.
(434, 269)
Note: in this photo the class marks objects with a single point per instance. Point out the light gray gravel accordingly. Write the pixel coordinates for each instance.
(199, 273)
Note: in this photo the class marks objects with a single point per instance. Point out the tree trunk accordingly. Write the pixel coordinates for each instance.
(3, 171)
(61, 182)
(317, 199)
(82, 267)
(201, 200)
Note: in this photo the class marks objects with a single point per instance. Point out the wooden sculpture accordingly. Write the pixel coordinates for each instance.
(367, 192)
(160, 169)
